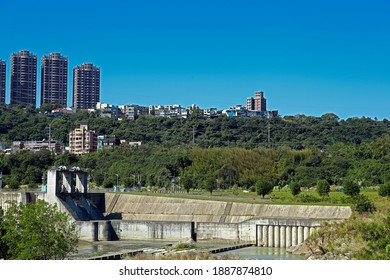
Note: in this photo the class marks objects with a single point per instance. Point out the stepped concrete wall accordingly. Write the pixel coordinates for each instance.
(149, 217)
(149, 208)
(173, 219)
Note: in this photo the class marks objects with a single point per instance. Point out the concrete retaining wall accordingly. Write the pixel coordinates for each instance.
(172, 219)
(259, 231)
(142, 230)
(146, 208)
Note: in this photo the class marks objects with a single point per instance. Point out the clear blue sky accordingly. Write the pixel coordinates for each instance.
(309, 57)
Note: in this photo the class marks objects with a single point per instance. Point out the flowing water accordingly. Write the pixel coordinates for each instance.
(264, 253)
(87, 249)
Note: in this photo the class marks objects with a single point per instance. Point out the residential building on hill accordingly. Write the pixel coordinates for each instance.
(37, 145)
(82, 141)
(2, 80)
(107, 141)
(258, 103)
(54, 79)
(23, 78)
(86, 86)
(108, 110)
(132, 111)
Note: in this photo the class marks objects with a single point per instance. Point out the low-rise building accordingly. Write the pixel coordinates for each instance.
(107, 110)
(37, 145)
(168, 111)
(63, 111)
(130, 143)
(107, 141)
(237, 111)
(211, 113)
(133, 111)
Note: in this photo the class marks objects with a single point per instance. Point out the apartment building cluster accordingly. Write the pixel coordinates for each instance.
(54, 81)
(82, 140)
(255, 107)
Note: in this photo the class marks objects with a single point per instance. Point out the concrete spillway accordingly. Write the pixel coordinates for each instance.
(279, 226)
(138, 207)
(124, 216)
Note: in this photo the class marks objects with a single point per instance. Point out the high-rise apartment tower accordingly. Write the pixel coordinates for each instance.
(86, 86)
(23, 78)
(54, 79)
(2, 81)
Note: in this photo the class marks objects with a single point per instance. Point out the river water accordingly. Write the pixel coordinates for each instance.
(264, 253)
(87, 249)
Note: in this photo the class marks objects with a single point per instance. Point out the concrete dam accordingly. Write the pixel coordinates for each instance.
(124, 216)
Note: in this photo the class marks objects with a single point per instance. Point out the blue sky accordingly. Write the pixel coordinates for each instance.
(309, 57)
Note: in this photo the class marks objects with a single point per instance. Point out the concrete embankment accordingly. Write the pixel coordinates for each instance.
(150, 208)
(140, 217)
(278, 226)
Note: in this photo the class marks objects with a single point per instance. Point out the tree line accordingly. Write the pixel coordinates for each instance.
(199, 153)
(299, 132)
(212, 168)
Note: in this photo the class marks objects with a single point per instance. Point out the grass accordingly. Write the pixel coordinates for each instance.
(278, 197)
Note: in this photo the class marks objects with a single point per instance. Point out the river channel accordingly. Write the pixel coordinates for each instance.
(87, 249)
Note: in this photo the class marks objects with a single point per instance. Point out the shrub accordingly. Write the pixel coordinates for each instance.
(13, 184)
(363, 204)
(351, 188)
(295, 188)
(323, 187)
(107, 184)
(384, 190)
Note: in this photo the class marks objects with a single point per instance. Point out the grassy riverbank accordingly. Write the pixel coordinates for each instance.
(278, 197)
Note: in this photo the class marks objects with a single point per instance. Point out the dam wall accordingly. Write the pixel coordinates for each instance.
(121, 216)
(138, 207)
(135, 230)
(278, 226)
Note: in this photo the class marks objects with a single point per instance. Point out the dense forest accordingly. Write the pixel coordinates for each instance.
(205, 153)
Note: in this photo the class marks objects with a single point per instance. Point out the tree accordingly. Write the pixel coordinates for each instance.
(3, 245)
(38, 232)
(351, 188)
(295, 188)
(264, 186)
(210, 183)
(13, 184)
(108, 184)
(323, 187)
(187, 181)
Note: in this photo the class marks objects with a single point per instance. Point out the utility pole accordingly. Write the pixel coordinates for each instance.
(193, 136)
(269, 134)
(50, 137)
(139, 181)
(269, 130)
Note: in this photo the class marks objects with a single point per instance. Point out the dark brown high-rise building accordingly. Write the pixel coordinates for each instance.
(54, 79)
(23, 78)
(2, 81)
(86, 86)
(259, 103)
